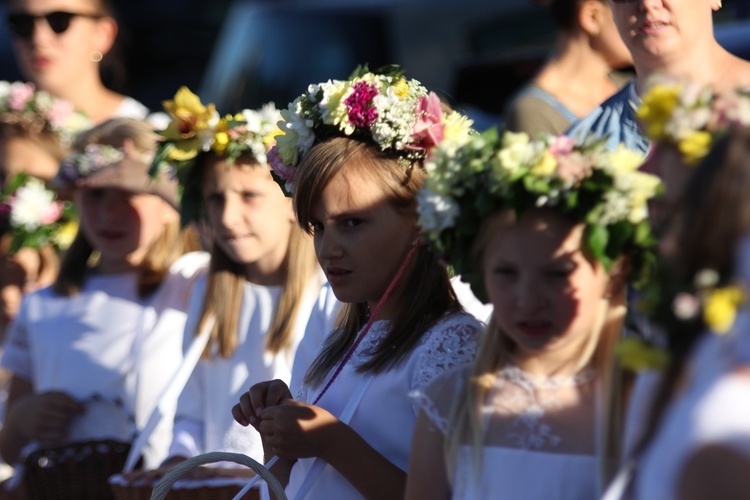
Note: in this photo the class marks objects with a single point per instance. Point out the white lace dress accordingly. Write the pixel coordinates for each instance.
(539, 436)
(385, 416)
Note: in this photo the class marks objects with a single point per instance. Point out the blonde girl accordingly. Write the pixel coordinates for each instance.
(352, 157)
(263, 283)
(91, 354)
(548, 232)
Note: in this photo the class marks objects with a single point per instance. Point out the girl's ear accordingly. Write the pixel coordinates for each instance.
(106, 34)
(618, 277)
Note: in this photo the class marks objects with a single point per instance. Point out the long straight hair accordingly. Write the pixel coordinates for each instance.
(716, 216)
(226, 283)
(496, 348)
(427, 292)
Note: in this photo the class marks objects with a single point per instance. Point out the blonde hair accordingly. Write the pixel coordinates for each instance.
(494, 351)
(226, 278)
(427, 294)
(162, 252)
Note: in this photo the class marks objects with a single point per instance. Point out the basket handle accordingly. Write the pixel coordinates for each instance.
(165, 484)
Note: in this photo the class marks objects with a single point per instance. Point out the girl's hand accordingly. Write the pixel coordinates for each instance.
(298, 430)
(260, 396)
(46, 416)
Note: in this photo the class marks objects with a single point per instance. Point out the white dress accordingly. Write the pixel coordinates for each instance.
(712, 409)
(107, 344)
(526, 452)
(385, 415)
(204, 419)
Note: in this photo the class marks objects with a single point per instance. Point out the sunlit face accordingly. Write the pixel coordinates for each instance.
(55, 61)
(18, 155)
(250, 218)
(361, 239)
(545, 292)
(122, 225)
(658, 32)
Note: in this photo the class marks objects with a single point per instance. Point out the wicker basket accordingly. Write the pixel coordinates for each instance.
(166, 488)
(74, 471)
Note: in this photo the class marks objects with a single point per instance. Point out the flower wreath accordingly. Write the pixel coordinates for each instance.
(34, 216)
(585, 182)
(197, 128)
(703, 304)
(381, 107)
(22, 103)
(690, 116)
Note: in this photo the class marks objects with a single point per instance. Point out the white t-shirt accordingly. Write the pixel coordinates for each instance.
(106, 344)
(130, 108)
(204, 420)
(385, 415)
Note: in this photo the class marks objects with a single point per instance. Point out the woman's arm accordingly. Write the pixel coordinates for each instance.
(427, 473)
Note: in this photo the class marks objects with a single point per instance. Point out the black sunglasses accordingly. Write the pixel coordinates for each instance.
(22, 23)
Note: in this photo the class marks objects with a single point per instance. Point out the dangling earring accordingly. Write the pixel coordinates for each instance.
(718, 4)
(95, 56)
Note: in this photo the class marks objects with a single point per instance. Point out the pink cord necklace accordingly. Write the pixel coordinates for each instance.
(370, 321)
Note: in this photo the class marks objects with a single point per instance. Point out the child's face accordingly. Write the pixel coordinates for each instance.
(360, 238)
(18, 155)
(122, 225)
(545, 293)
(250, 218)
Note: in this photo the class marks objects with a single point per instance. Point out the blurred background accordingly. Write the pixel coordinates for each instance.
(242, 53)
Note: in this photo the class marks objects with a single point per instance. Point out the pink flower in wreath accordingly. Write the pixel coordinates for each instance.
(52, 213)
(360, 111)
(284, 172)
(59, 112)
(429, 129)
(20, 94)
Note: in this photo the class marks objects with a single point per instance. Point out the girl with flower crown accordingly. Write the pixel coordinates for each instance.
(687, 432)
(91, 354)
(263, 289)
(36, 130)
(352, 155)
(549, 232)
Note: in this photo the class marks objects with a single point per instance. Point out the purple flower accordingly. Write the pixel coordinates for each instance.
(361, 113)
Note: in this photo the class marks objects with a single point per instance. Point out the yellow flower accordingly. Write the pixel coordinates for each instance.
(545, 167)
(189, 117)
(625, 160)
(721, 308)
(694, 146)
(65, 235)
(634, 354)
(270, 138)
(221, 141)
(656, 109)
(457, 128)
(401, 88)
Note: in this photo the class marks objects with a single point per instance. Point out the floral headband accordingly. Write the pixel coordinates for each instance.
(197, 128)
(585, 182)
(34, 216)
(701, 304)
(690, 116)
(396, 114)
(93, 158)
(21, 101)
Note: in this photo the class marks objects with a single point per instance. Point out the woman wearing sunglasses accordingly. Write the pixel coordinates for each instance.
(667, 38)
(60, 45)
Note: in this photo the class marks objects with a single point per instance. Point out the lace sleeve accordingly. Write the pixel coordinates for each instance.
(436, 400)
(423, 402)
(451, 342)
